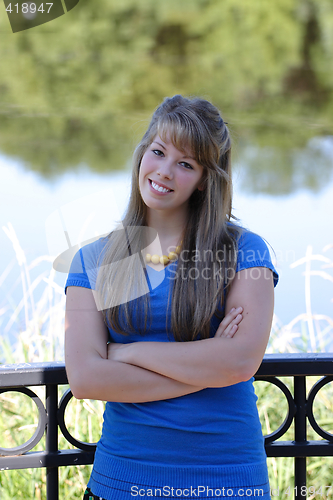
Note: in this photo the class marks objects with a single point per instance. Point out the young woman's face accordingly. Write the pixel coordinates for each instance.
(168, 177)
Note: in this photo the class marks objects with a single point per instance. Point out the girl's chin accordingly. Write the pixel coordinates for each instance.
(154, 201)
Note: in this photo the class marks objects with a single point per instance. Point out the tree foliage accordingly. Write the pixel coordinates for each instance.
(79, 90)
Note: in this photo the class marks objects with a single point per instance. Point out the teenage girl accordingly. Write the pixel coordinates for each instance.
(168, 319)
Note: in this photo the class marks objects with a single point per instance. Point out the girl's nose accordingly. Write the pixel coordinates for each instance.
(165, 170)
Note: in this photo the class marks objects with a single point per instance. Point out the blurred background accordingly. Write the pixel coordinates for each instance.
(76, 95)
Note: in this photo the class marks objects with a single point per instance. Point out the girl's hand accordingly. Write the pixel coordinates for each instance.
(229, 325)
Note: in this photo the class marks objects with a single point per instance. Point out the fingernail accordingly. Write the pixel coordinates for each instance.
(239, 309)
(232, 309)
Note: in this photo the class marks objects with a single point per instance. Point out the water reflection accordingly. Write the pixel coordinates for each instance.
(79, 90)
(278, 172)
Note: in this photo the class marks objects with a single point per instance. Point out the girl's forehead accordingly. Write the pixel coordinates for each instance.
(178, 139)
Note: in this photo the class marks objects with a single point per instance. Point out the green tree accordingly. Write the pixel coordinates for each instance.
(79, 90)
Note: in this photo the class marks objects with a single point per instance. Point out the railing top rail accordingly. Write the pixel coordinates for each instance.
(25, 374)
(296, 364)
(286, 364)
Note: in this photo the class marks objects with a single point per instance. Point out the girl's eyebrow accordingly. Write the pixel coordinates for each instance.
(159, 144)
(185, 156)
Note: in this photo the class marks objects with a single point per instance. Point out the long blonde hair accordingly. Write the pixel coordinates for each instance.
(193, 125)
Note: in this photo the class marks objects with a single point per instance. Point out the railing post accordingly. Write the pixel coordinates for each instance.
(52, 477)
(300, 434)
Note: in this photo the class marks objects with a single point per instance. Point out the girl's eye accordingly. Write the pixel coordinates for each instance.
(187, 165)
(157, 152)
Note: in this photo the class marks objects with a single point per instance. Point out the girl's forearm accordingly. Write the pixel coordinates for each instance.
(211, 362)
(216, 362)
(109, 380)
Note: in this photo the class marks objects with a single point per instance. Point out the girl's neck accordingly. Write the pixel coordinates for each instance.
(168, 226)
(169, 229)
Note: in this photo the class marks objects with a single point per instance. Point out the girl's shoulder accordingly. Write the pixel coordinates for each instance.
(88, 255)
(85, 263)
(252, 250)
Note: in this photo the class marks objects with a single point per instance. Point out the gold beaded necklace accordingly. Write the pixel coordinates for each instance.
(164, 259)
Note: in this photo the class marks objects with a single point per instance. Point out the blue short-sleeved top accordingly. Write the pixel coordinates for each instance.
(252, 252)
(212, 426)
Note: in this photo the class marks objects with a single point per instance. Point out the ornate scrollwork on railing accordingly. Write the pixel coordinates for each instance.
(309, 408)
(41, 426)
(67, 396)
(291, 408)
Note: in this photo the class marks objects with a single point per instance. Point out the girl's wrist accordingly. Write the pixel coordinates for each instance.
(119, 352)
(124, 353)
(128, 354)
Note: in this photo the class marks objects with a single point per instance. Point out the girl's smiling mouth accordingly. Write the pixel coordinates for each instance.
(159, 188)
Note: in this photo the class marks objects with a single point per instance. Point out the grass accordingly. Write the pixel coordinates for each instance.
(307, 332)
(38, 323)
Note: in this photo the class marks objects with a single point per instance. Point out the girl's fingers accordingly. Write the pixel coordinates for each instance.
(238, 319)
(231, 332)
(233, 327)
(230, 317)
(232, 314)
(230, 322)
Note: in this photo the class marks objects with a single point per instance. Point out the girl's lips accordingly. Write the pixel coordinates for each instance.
(155, 190)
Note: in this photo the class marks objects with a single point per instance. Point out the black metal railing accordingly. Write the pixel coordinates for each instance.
(52, 416)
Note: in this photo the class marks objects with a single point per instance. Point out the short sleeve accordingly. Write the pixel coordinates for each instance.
(254, 252)
(84, 267)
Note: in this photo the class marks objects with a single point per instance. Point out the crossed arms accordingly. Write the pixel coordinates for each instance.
(152, 371)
